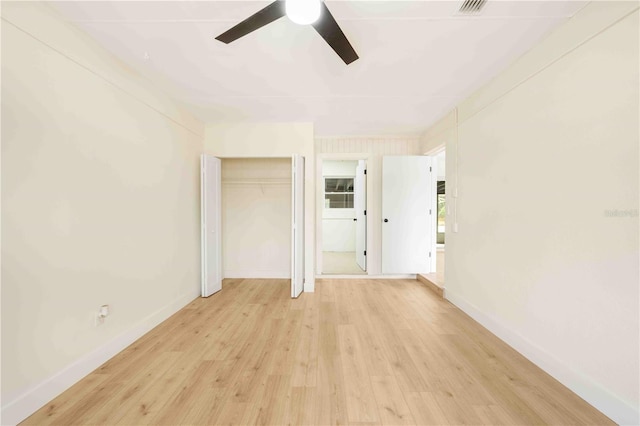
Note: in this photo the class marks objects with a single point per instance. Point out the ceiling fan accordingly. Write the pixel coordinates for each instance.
(303, 12)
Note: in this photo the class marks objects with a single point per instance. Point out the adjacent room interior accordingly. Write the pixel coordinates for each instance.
(344, 229)
(157, 152)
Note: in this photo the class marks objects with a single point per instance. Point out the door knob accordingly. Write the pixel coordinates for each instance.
(355, 219)
(386, 220)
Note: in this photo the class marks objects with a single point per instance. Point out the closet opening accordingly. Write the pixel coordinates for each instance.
(252, 220)
(256, 218)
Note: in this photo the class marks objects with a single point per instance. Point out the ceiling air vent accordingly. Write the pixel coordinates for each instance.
(471, 7)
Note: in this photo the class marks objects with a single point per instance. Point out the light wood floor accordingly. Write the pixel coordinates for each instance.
(355, 352)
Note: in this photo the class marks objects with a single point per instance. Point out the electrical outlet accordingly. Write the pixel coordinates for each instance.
(104, 311)
(101, 315)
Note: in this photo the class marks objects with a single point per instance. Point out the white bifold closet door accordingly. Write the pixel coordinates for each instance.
(406, 216)
(360, 206)
(210, 224)
(297, 228)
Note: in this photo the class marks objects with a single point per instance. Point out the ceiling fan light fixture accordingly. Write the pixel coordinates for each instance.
(303, 12)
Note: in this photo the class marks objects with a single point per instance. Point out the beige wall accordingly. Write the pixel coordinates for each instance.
(242, 140)
(543, 152)
(100, 195)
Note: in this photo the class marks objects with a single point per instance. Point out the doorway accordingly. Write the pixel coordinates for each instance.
(344, 220)
(252, 220)
(439, 203)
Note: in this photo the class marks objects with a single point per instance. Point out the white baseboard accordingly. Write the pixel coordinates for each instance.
(266, 274)
(618, 410)
(28, 401)
(367, 277)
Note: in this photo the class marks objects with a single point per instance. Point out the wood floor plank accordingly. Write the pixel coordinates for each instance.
(493, 415)
(203, 409)
(361, 352)
(270, 408)
(155, 399)
(128, 393)
(371, 345)
(361, 404)
(456, 409)
(184, 398)
(331, 397)
(232, 414)
(287, 345)
(305, 366)
(301, 409)
(54, 410)
(425, 409)
(391, 403)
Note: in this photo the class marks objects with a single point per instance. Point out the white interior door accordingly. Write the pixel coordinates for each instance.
(360, 205)
(210, 224)
(406, 219)
(297, 228)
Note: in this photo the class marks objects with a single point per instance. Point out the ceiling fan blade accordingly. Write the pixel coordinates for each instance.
(330, 31)
(275, 10)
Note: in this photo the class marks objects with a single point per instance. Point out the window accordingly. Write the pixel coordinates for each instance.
(338, 193)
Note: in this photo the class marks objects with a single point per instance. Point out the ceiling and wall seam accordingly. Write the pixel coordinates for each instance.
(267, 77)
(442, 124)
(102, 77)
(549, 64)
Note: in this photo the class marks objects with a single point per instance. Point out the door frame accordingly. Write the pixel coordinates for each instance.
(434, 205)
(361, 214)
(320, 206)
(297, 225)
(248, 157)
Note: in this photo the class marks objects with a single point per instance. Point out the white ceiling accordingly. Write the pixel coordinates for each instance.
(418, 59)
